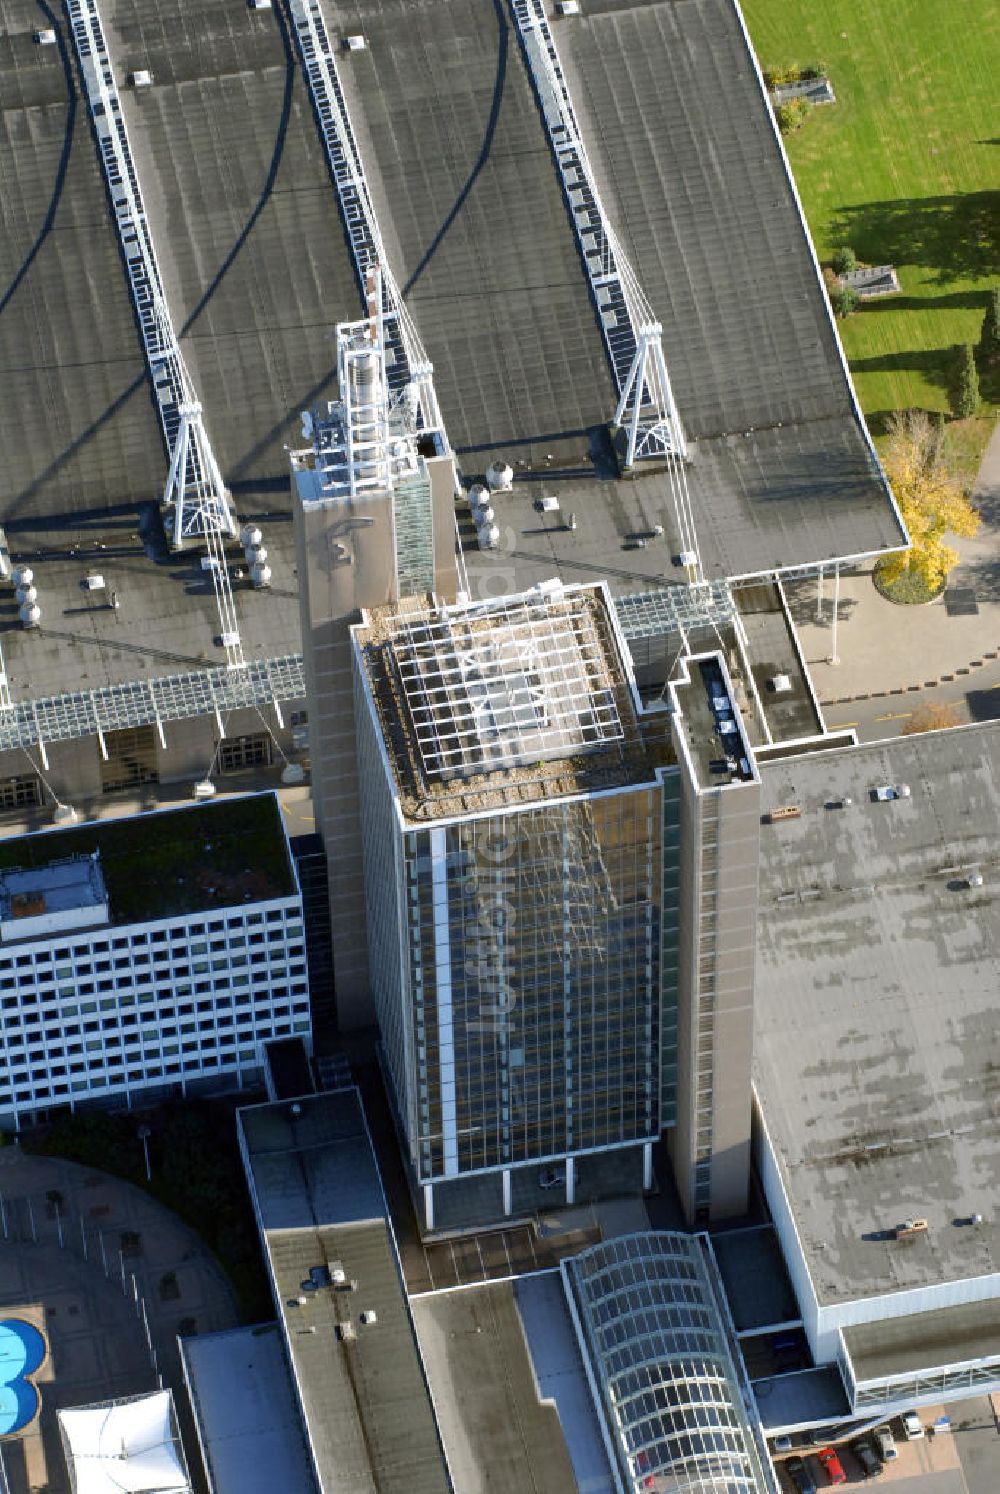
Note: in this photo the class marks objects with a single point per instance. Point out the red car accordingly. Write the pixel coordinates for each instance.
(832, 1465)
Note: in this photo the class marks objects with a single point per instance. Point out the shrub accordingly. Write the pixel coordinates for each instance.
(931, 717)
(845, 260)
(774, 77)
(813, 70)
(791, 116)
(989, 339)
(844, 300)
(964, 390)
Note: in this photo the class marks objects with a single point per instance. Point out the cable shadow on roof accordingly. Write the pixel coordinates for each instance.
(266, 190)
(499, 84)
(61, 169)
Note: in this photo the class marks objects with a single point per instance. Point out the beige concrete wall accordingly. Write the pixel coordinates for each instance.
(441, 471)
(739, 859)
(346, 561)
(732, 816)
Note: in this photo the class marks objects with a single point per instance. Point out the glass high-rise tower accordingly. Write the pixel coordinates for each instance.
(514, 817)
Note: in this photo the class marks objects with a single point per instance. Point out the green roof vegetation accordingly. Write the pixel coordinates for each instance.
(902, 168)
(175, 861)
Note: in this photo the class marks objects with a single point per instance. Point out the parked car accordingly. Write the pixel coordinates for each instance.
(783, 1444)
(831, 1465)
(862, 1450)
(913, 1427)
(798, 1471)
(885, 1443)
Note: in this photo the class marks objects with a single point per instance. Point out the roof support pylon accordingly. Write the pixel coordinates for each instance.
(646, 409)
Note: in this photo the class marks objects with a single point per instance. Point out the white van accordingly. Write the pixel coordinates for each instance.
(885, 1444)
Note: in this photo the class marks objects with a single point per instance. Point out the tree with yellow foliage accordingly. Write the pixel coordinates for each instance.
(931, 501)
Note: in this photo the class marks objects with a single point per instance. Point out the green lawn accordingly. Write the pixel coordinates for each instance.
(905, 168)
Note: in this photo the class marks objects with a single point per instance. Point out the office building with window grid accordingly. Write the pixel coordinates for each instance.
(150, 955)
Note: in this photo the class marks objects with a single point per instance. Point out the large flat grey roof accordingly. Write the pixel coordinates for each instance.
(246, 228)
(511, 1388)
(361, 1387)
(258, 273)
(876, 1036)
(166, 621)
(478, 231)
(249, 1425)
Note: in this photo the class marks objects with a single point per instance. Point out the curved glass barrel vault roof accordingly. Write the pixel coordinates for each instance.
(660, 1368)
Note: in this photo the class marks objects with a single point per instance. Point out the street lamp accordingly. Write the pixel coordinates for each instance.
(144, 1133)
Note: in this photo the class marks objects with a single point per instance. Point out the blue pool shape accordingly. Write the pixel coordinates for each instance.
(22, 1351)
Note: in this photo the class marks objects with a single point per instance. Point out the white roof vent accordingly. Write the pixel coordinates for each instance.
(499, 477)
(141, 79)
(260, 4)
(781, 684)
(45, 38)
(902, 790)
(568, 7)
(355, 43)
(488, 536)
(687, 558)
(549, 505)
(975, 879)
(369, 1316)
(93, 582)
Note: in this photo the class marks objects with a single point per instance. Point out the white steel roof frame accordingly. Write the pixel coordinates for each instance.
(449, 706)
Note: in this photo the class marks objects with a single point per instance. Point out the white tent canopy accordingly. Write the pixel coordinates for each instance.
(131, 1446)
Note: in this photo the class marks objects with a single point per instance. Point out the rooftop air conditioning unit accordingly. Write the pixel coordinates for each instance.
(355, 43)
(548, 505)
(687, 558)
(260, 4)
(780, 684)
(46, 38)
(142, 79)
(911, 1227)
(568, 7)
(93, 582)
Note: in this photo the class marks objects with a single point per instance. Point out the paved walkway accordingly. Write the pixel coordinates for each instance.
(947, 650)
(71, 1241)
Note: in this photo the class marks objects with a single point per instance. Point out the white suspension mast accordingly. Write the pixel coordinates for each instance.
(197, 505)
(646, 410)
(407, 363)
